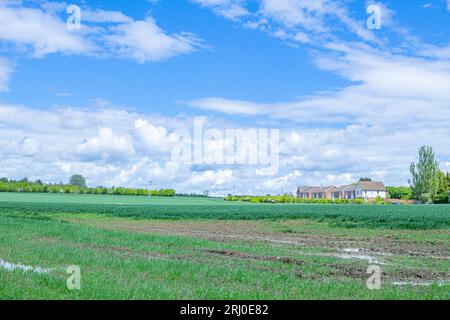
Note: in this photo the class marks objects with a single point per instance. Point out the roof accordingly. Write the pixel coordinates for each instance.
(316, 189)
(328, 188)
(349, 187)
(306, 189)
(372, 185)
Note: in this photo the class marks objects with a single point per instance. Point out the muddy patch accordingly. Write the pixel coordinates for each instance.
(251, 231)
(48, 239)
(129, 252)
(241, 255)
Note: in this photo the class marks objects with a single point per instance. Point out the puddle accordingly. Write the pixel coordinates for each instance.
(352, 253)
(367, 258)
(426, 284)
(351, 250)
(294, 243)
(348, 254)
(11, 267)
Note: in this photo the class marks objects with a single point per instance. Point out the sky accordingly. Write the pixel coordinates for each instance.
(108, 97)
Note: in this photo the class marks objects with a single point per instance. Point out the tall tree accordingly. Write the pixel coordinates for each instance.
(443, 193)
(425, 175)
(77, 180)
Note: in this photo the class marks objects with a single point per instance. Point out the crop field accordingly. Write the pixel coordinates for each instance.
(200, 248)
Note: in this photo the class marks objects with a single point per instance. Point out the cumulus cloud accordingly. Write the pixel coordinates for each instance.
(106, 146)
(210, 177)
(155, 138)
(30, 147)
(146, 169)
(286, 181)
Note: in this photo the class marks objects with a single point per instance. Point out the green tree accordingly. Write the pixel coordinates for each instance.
(365, 179)
(77, 180)
(442, 195)
(425, 175)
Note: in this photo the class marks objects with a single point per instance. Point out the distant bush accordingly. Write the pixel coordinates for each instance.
(292, 199)
(401, 193)
(379, 200)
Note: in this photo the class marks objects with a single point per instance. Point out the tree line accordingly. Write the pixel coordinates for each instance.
(76, 185)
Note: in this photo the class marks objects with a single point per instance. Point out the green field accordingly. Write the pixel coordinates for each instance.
(198, 248)
(370, 216)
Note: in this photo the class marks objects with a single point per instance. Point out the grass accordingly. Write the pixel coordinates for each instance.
(121, 256)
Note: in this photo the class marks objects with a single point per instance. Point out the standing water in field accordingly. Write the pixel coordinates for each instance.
(11, 267)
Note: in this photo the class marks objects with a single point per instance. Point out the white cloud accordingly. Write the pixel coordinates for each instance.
(293, 13)
(144, 41)
(389, 89)
(287, 181)
(339, 179)
(104, 16)
(144, 170)
(5, 73)
(43, 32)
(30, 147)
(106, 146)
(230, 9)
(154, 137)
(210, 177)
(230, 106)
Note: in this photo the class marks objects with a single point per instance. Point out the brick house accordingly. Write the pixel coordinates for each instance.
(316, 192)
(362, 189)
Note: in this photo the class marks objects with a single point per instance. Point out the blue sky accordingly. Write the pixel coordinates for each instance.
(105, 100)
(235, 62)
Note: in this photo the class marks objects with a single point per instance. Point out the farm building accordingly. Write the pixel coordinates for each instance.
(362, 189)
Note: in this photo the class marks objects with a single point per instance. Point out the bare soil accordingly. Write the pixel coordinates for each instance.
(251, 231)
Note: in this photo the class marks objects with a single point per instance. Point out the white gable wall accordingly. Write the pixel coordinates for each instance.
(370, 194)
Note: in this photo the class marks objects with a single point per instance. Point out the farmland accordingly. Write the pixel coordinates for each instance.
(200, 248)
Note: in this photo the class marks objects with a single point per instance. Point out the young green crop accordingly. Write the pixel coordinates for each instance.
(370, 216)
